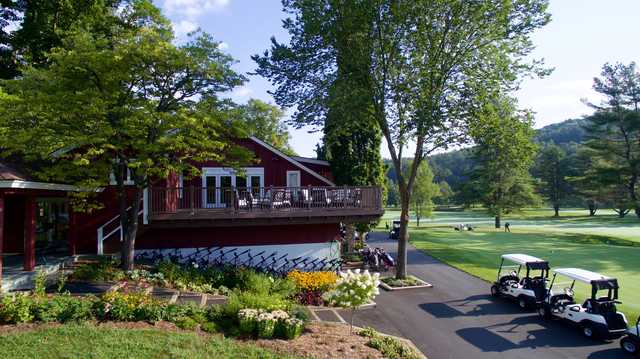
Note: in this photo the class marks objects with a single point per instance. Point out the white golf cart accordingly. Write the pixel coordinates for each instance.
(631, 342)
(528, 291)
(597, 317)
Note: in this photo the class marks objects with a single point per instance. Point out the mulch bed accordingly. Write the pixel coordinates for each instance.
(324, 340)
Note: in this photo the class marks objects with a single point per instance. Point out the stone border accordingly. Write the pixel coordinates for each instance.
(387, 287)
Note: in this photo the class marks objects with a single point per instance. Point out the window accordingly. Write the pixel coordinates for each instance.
(219, 181)
(293, 178)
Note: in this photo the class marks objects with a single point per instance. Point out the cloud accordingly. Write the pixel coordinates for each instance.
(183, 27)
(241, 92)
(223, 46)
(193, 8)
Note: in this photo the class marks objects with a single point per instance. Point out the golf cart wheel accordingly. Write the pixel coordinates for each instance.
(522, 302)
(629, 345)
(494, 291)
(544, 311)
(588, 331)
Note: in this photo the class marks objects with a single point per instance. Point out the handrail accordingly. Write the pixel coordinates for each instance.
(100, 231)
(246, 199)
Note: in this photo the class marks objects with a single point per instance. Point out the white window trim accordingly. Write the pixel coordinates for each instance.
(299, 179)
(225, 171)
(127, 182)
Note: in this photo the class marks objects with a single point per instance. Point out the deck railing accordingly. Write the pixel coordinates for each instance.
(263, 199)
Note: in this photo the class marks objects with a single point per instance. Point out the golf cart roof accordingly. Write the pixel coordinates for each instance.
(522, 258)
(589, 277)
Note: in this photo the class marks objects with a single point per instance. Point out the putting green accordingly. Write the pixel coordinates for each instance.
(600, 246)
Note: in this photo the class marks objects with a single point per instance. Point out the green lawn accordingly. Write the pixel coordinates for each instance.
(88, 341)
(598, 244)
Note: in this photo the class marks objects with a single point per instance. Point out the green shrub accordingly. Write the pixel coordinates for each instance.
(74, 309)
(209, 327)
(16, 308)
(102, 271)
(40, 284)
(125, 306)
(389, 347)
(186, 323)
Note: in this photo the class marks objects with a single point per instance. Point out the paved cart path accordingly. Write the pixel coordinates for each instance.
(458, 319)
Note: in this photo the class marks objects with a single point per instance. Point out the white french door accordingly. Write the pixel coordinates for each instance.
(219, 183)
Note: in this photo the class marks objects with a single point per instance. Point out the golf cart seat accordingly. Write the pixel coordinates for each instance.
(562, 300)
(509, 279)
(525, 282)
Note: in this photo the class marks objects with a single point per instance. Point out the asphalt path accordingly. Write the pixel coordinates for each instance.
(458, 319)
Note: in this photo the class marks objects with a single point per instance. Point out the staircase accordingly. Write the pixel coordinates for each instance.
(113, 228)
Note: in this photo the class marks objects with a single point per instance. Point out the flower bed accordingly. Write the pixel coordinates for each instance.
(278, 316)
(391, 283)
(311, 286)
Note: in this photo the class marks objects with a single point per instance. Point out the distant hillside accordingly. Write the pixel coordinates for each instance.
(562, 133)
(453, 167)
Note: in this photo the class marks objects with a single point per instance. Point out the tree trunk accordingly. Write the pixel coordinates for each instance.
(497, 221)
(349, 234)
(401, 267)
(593, 207)
(130, 230)
(556, 209)
(417, 221)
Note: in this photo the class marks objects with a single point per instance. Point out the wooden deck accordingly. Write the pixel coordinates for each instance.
(263, 206)
(221, 217)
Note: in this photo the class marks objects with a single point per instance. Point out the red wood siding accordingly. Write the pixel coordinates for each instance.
(275, 168)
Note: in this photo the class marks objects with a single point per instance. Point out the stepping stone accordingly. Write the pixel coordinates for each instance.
(187, 298)
(165, 294)
(86, 288)
(212, 300)
(328, 315)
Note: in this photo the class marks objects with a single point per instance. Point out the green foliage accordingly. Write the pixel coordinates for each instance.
(553, 168)
(265, 121)
(415, 92)
(77, 341)
(104, 270)
(210, 327)
(613, 136)
(424, 191)
(389, 347)
(40, 283)
(16, 308)
(126, 101)
(406, 282)
(504, 153)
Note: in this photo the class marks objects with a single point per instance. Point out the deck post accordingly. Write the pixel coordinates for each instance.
(1, 232)
(72, 234)
(145, 206)
(30, 234)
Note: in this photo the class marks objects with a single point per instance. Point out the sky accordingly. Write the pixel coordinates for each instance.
(582, 36)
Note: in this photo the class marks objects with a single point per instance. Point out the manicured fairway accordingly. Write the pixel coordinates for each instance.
(87, 341)
(616, 254)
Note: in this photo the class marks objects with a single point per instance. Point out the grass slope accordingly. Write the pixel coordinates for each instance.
(88, 341)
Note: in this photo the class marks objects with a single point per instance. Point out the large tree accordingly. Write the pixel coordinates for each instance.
(504, 153)
(265, 121)
(424, 191)
(613, 132)
(38, 27)
(122, 100)
(429, 62)
(554, 168)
